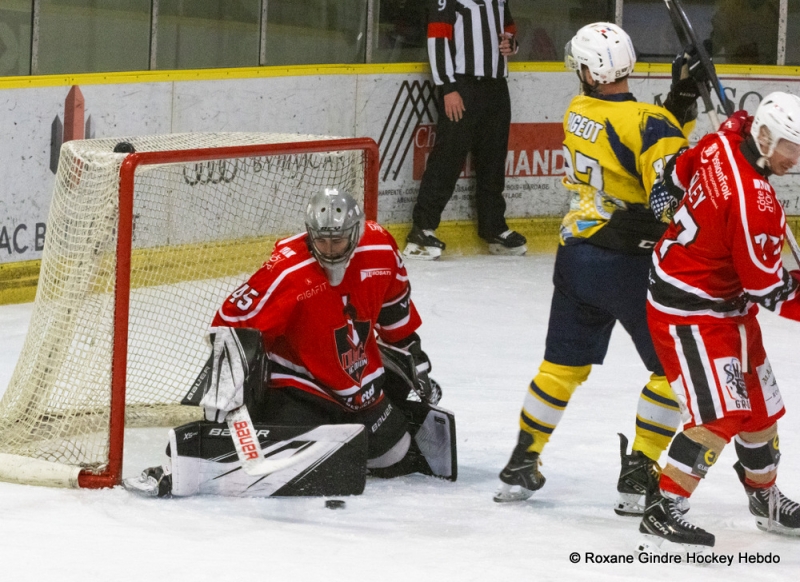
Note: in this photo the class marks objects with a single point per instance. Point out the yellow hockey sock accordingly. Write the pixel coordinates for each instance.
(658, 417)
(546, 399)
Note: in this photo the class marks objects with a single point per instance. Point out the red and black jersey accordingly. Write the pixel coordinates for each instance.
(321, 339)
(721, 254)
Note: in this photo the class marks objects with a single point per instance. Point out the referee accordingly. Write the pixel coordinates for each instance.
(468, 43)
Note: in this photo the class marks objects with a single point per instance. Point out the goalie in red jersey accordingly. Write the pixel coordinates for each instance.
(322, 335)
(718, 261)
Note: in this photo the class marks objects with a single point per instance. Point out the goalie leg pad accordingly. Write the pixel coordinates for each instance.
(204, 461)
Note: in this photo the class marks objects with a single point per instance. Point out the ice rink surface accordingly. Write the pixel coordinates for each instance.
(485, 320)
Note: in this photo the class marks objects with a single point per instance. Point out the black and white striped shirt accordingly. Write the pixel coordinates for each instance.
(464, 39)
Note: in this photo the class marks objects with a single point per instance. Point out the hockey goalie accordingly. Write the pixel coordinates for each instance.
(316, 376)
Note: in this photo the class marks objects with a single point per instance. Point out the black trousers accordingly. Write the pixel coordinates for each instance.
(483, 130)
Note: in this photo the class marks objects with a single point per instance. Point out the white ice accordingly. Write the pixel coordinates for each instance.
(485, 320)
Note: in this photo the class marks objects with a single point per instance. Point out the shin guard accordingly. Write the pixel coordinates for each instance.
(759, 453)
(691, 455)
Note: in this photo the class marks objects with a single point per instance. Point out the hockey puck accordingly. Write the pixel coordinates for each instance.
(335, 504)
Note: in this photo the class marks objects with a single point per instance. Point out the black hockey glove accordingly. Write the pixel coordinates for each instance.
(687, 74)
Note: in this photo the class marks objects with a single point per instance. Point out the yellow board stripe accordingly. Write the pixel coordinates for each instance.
(165, 76)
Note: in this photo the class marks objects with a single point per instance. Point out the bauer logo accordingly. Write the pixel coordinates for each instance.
(534, 150)
(226, 432)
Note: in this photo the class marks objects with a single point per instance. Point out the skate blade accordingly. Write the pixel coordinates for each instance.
(509, 493)
(630, 505)
(763, 524)
(650, 544)
(420, 253)
(143, 488)
(498, 249)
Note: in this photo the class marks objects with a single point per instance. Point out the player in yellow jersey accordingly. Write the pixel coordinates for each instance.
(616, 149)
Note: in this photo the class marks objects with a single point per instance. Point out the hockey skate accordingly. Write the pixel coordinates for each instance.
(665, 530)
(521, 476)
(774, 511)
(509, 242)
(152, 482)
(423, 245)
(638, 478)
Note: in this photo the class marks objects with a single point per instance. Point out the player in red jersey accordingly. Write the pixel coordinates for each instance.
(325, 308)
(718, 261)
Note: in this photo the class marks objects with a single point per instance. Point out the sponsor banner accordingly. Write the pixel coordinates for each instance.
(397, 110)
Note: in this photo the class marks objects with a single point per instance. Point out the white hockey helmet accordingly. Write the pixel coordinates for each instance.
(335, 224)
(605, 49)
(779, 116)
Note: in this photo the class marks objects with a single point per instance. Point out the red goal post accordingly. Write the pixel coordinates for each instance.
(136, 284)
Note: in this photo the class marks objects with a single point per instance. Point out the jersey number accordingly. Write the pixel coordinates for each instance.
(687, 230)
(583, 165)
(245, 295)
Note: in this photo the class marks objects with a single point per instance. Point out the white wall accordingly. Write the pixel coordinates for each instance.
(387, 107)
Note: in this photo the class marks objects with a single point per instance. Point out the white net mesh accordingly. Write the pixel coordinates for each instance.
(200, 229)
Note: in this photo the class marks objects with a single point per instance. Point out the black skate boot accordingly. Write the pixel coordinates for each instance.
(509, 242)
(663, 522)
(638, 479)
(152, 482)
(521, 476)
(423, 244)
(773, 510)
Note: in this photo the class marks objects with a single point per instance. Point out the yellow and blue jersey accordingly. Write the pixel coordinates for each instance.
(615, 150)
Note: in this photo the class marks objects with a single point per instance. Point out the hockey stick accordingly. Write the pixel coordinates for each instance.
(240, 425)
(248, 449)
(688, 38)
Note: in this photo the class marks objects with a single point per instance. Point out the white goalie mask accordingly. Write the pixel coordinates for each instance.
(335, 224)
(776, 125)
(603, 48)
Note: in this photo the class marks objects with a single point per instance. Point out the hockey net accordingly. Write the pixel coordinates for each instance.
(141, 250)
